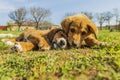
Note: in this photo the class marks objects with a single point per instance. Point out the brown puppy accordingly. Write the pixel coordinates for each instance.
(78, 28)
(45, 40)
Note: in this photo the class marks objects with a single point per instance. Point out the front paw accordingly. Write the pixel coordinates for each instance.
(17, 47)
(43, 48)
(103, 43)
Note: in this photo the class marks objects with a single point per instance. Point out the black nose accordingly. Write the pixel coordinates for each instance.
(62, 42)
(74, 44)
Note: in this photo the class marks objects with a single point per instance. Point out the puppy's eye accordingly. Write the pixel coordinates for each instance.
(72, 30)
(83, 33)
(61, 35)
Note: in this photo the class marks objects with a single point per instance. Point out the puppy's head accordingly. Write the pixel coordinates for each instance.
(57, 38)
(77, 28)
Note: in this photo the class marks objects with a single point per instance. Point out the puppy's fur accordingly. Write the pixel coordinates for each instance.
(45, 40)
(22, 47)
(57, 38)
(78, 28)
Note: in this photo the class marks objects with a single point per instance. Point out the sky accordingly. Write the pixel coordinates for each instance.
(58, 8)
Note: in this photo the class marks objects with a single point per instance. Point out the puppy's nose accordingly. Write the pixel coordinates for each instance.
(74, 44)
(62, 42)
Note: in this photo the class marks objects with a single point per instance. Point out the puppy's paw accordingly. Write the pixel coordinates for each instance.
(44, 46)
(17, 47)
(103, 43)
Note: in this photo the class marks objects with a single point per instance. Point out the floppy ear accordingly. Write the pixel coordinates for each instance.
(92, 28)
(51, 34)
(20, 37)
(66, 24)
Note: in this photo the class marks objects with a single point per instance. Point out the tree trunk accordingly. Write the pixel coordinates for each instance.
(109, 25)
(19, 26)
(100, 26)
(37, 26)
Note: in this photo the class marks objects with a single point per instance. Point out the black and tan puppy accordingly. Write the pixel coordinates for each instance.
(44, 40)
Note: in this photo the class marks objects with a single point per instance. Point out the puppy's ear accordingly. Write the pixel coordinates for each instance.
(51, 34)
(92, 28)
(20, 37)
(66, 24)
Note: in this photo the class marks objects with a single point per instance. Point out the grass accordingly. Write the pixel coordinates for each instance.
(95, 63)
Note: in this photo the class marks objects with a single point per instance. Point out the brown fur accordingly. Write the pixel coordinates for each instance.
(78, 28)
(41, 39)
(25, 46)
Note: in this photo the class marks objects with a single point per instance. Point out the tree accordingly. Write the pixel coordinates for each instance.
(39, 14)
(100, 18)
(108, 16)
(19, 16)
(116, 15)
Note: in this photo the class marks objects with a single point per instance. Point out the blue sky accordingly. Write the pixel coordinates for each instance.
(57, 7)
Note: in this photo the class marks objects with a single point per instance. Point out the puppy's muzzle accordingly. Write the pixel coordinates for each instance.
(75, 44)
(60, 43)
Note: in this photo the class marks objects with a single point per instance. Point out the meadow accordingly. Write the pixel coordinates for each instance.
(95, 63)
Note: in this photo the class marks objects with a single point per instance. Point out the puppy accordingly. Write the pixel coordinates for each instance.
(45, 40)
(79, 28)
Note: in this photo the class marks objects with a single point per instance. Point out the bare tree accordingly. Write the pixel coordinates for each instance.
(100, 17)
(108, 16)
(39, 14)
(116, 15)
(19, 16)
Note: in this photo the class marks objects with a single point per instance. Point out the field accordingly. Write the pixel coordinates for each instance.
(95, 63)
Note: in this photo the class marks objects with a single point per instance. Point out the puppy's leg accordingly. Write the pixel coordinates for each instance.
(22, 47)
(17, 47)
(91, 41)
(43, 44)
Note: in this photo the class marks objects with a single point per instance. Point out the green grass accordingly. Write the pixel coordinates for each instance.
(12, 32)
(95, 63)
